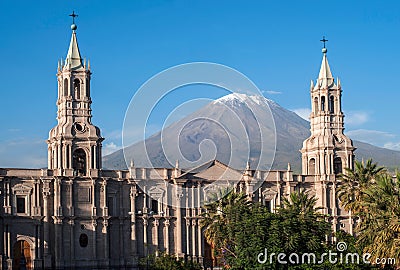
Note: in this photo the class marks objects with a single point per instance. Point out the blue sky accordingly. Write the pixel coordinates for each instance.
(274, 43)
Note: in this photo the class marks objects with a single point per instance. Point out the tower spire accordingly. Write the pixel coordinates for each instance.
(73, 59)
(325, 78)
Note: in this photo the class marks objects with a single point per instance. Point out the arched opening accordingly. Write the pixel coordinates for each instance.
(77, 88)
(337, 165)
(311, 166)
(316, 105)
(322, 103)
(79, 162)
(65, 87)
(332, 104)
(22, 255)
(83, 240)
(87, 88)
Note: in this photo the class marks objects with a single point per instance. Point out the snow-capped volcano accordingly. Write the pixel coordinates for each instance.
(234, 129)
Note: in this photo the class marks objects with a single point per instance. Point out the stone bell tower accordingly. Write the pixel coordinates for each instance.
(74, 145)
(327, 151)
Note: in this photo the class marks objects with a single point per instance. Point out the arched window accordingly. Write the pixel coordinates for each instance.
(337, 165)
(332, 104)
(316, 104)
(322, 103)
(65, 87)
(77, 89)
(311, 166)
(79, 162)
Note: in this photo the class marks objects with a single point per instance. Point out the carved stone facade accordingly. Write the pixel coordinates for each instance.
(77, 215)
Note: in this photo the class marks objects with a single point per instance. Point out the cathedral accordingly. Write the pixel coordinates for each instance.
(76, 215)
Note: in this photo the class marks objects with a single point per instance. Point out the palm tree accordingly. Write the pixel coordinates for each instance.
(301, 226)
(353, 182)
(225, 208)
(379, 231)
(373, 196)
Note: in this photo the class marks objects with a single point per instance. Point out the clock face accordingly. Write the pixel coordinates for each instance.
(80, 127)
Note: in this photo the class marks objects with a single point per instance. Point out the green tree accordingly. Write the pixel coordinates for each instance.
(299, 226)
(219, 218)
(373, 196)
(353, 182)
(379, 229)
(167, 262)
(239, 229)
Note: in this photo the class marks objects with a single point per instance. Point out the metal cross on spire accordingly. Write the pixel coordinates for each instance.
(324, 41)
(73, 15)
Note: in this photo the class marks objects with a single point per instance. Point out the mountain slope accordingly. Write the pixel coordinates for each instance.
(220, 129)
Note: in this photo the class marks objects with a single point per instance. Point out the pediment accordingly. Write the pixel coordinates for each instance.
(269, 193)
(156, 192)
(22, 188)
(213, 170)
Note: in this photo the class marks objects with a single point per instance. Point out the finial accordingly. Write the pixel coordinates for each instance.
(324, 49)
(312, 85)
(289, 168)
(132, 164)
(177, 164)
(73, 25)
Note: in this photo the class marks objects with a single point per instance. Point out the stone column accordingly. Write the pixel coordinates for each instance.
(192, 209)
(9, 259)
(133, 194)
(5, 240)
(200, 243)
(71, 223)
(194, 224)
(57, 199)
(46, 223)
(94, 238)
(60, 160)
(58, 242)
(166, 238)
(179, 222)
(188, 253)
(94, 209)
(49, 156)
(199, 231)
(145, 236)
(106, 244)
(323, 197)
(156, 242)
(104, 229)
(7, 197)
